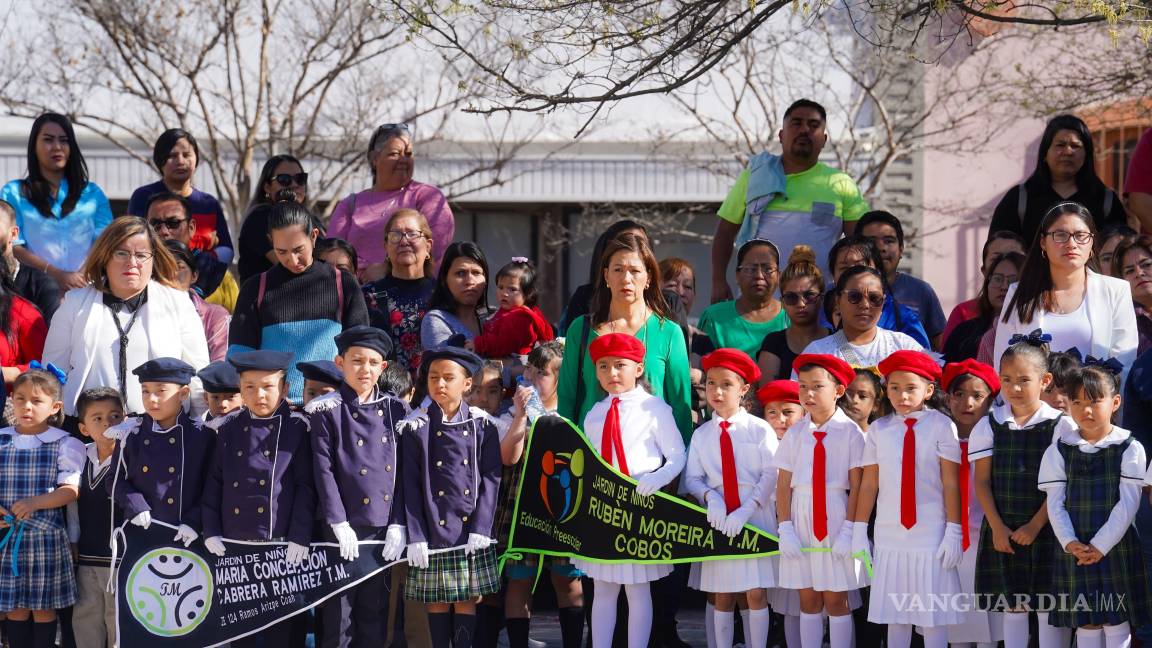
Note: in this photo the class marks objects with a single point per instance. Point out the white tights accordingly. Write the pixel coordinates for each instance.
(604, 613)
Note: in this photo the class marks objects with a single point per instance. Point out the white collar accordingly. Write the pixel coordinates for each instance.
(1115, 436)
(94, 458)
(1002, 413)
(735, 419)
(34, 440)
(636, 393)
(838, 416)
(159, 430)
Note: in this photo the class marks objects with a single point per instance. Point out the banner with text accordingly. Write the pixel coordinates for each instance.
(573, 504)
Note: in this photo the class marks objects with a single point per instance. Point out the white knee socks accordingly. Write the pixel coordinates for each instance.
(899, 635)
(792, 630)
(936, 637)
(1089, 638)
(604, 613)
(756, 630)
(1118, 636)
(722, 633)
(840, 631)
(811, 630)
(1015, 629)
(1051, 636)
(710, 624)
(639, 614)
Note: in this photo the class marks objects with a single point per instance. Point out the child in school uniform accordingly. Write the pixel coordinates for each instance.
(1093, 480)
(162, 457)
(259, 485)
(1017, 547)
(911, 466)
(94, 615)
(730, 472)
(320, 377)
(357, 451)
(635, 432)
(451, 477)
(40, 468)
(816, 490)
(971, 387)
(863, 399)
(221, 389)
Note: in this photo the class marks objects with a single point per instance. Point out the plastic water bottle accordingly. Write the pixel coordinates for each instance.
(535, 407)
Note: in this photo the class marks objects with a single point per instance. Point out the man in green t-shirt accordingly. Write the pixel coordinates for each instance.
(788, 199)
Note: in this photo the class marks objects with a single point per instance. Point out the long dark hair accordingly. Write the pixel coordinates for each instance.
(613, 230)
(7, 292)
(1034, 289)
(261, 198)
(1086, 178)
(442, 298)
(36, 187)
(983, 304)
(653, 294)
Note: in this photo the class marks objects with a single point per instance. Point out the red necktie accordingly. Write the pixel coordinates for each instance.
(964, 501)
(611, 441)
(908, 476)
(819, 489)
(728, 468)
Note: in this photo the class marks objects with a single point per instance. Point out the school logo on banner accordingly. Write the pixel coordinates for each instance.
(169, 591)
(573, 504)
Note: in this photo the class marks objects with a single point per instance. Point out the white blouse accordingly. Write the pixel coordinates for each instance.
(652, 443)
(866, 355)
(1053, 481)
(754, 444)
(70, 459)
(980, 441)
(843, 450)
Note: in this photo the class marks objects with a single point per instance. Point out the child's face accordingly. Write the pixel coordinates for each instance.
(781, 416)
(262, 391)
(725, 390)
(908, 391)
(163, 401)
(487, 391)
(969, 401)
(508, 291)
(618, 375)
(314, 389)
(818, 391)
(1055, 397)
(546, 380)
(1022, 381)
(860, 399)
(100, 416)
(447, 383)
(362, 368)
(1094, 415)
(220, 403)
(32, 406)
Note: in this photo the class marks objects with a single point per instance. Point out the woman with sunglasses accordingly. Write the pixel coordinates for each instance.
(802, 293)
(858, 300)
(281, 178)
(855, 250)
(1133, 263)
(1061, 294)
(964, 341)
(743, 322)
(361, 218)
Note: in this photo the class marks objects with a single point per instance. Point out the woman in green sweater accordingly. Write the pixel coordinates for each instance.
(743, 322)
(628, 300)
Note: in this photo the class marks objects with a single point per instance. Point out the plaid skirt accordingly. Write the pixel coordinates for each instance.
(46, 580)
(454, 576)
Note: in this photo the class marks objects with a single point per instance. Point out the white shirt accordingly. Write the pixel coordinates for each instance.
(867, 355)
(69, 460)
(92, 468)
(648, 432)
(843, 450)
(1053, 480)
(1071, 330)
(753, 443)
(935, 440)
(980, 441)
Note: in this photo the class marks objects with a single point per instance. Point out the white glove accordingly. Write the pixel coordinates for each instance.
(860, 540)
(349, 543)
(418, 555)
(215, 546)
(649, 484)
(736, 520)
(476, 542)
(790, 546)
(842, 545)
(951, 547)
(295, 554)
(394, 540)
(717, 512)
(184, 534)
(143, 519)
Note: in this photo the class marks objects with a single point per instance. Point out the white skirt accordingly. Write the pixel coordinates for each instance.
(911, 587)
(820, 571)
(736, 575)
(787, 601)
(977, 626)
(623, 573)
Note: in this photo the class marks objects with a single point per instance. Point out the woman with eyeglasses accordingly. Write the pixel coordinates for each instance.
(281, 178)
(361, 218)
(59, 211)
(964, 342)
(1133, 263)
(858, 300)
(132, 311)
(743, 322)
(1061, 294)
(802, 293)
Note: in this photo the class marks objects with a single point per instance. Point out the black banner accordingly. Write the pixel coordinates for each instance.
(169, 595)
(573, 504)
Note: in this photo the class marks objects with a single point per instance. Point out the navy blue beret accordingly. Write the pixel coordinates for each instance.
(165, 370)
(463, 357)
(324, 371)
(220, 377)
(261, 360)
(368, 337)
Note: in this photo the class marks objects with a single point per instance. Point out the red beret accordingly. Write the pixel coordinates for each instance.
(733, 359)
(840, 370)
(616, 345)
(779, 391)
(916, 362)
(954, 370)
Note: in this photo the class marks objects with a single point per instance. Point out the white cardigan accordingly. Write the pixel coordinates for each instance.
(1109, 307)
(168, 322)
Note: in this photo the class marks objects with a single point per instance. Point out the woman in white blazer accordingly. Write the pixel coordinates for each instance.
(1059, 294)
(129, 314)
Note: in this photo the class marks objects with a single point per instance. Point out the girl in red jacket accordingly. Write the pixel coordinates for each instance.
(519, 325)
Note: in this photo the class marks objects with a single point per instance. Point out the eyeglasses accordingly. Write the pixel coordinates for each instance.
(998, 280)
(875, 300)
(396, 236)
(286, 179)
(170, 223)
(794, 298)
(754, 269)
(1060, 237)
(124, 256)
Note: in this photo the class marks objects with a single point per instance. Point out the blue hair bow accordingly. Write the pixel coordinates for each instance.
(50, 368)
(1035, 338)
(1111, 364)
